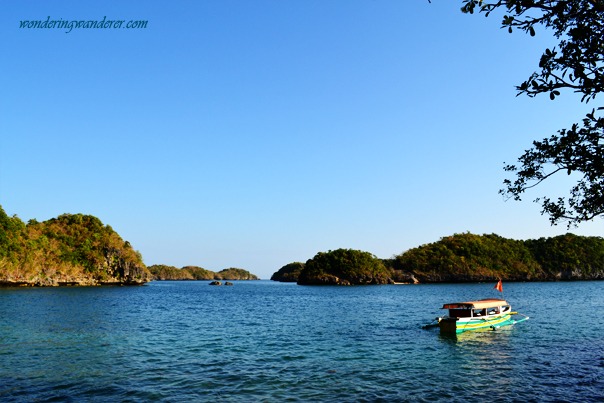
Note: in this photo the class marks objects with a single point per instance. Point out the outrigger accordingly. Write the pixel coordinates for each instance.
(484, 314)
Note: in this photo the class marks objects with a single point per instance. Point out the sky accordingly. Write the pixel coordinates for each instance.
(255, 133)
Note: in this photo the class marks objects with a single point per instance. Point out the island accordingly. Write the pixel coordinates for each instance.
(288, 273)
(344, 267)
(458, 258)
(72, 249)
(162, 272)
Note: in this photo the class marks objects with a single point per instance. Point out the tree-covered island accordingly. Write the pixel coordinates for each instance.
(344, 267)
(72, 249)
(458, 258)
(164, 272)
(288, 273)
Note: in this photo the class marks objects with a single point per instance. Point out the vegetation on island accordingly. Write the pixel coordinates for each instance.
(463, 258)
(163, 272)
(72, 249)
(575, 64)
(469, 257)
(288, 273)
(344, 267)
(570, 257)
(233, 273)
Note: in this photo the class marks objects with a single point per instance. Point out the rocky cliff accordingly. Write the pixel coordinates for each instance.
(72, 249)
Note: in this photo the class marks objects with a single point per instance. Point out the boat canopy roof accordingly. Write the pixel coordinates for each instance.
(480, 304)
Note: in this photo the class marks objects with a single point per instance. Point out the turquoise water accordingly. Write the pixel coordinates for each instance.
(266, 341)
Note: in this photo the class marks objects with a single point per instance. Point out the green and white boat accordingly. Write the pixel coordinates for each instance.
(481, 315)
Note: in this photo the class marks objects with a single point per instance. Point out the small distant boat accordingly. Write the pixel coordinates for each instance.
(484, 314)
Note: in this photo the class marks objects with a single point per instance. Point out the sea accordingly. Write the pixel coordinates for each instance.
(263, 341)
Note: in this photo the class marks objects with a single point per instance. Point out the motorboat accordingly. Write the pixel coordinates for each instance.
(484, 314)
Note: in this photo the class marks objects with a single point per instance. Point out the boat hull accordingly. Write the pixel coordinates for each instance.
(461, 325)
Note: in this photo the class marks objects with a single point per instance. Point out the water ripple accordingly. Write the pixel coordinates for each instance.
(263, 341)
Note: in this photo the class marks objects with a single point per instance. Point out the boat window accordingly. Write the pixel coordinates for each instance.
(493, 311)
(505, 308)
(480, 312)
(459, 313)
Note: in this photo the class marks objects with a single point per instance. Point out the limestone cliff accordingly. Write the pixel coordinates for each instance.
(72, 249)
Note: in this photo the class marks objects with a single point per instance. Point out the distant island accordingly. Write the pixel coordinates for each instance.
(458, 258)
(163, 272)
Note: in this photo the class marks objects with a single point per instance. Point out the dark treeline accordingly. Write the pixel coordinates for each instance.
(163, 272)
(288, 273)
(459, 258)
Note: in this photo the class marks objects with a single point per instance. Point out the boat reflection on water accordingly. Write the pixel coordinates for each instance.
(483, 337)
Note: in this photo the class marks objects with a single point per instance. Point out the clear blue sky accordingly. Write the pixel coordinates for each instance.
(255, 133)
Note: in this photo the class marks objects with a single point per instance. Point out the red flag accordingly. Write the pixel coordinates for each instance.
(499, 286)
